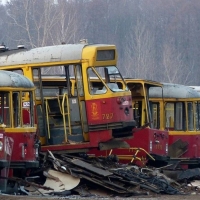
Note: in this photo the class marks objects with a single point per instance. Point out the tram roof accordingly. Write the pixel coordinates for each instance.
(170, 90)
(148, 82)
(197, 88)
(12, 79)
(56, 53)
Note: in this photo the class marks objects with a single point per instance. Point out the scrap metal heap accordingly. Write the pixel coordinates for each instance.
(64, 175)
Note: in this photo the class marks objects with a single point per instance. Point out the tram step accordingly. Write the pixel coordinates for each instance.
(60, 139)
(76, 130)
(57, 135)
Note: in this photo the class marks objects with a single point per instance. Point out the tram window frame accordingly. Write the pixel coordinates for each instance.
(111, 79)
(137, 112)
(93, 88)
(5, 115)
(79, 80)
(169, 118)
(190, 120)
(155, 123)
(18, 71)
(197, 115)
(179, 116)
(29, 107)
(19, 108)
(16, 100)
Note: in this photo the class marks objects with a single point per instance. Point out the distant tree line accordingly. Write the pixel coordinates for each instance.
(156, 39)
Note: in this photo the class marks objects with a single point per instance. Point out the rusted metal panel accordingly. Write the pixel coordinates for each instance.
(90, 167)
(178, 148)
(113, 144)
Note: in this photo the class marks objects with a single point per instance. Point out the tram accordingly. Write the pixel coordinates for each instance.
(178, 108)
(75, 122)
(18, 140)
(147, 142)
(150, 143)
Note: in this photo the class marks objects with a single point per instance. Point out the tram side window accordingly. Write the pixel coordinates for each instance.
(27, 111)
(198, 108)
(16, 109)
(155, 114)
(111, 79)
(190, 116)
(169, 115)
(4, 109)
(79, 80)
(179, 116)
(175, 116)
(137, 112)
(95, 85)
(18, 71)
(197, 115)
(36, 81)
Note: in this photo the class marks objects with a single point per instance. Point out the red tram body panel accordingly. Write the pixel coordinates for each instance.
(145, 142)
(191, 143)
(24, 145)
(109, 110)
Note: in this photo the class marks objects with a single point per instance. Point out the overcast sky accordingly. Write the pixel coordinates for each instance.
(3, 1)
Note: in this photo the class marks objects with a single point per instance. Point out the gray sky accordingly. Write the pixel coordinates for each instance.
(3, 1)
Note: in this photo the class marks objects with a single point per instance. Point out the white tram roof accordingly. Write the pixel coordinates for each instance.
(197, 88)
(170, 90)
(45, 54)
(13, 79)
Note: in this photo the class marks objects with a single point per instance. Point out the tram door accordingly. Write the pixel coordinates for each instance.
(77, 105)
(61, 115)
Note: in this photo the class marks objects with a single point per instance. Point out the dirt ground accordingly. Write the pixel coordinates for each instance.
(160, 197)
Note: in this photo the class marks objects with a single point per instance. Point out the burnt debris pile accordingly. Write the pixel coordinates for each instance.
(67, 175)
(64, 175)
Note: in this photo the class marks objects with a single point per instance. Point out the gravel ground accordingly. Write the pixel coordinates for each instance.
(160, 197)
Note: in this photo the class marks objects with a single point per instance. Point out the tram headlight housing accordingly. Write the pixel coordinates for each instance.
(166, 149)
(1, 145)
(126, 111)
(150, 146)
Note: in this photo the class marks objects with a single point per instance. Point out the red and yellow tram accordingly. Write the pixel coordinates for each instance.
(178, 108)
(84, 119)
(18, 139)
(148, 140)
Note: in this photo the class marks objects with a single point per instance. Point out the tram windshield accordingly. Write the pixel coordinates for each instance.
(103, 78)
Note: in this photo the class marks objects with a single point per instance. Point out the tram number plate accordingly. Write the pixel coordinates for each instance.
(159, 146)
(107, 116)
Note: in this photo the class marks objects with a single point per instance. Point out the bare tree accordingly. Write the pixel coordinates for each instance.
(42, 23)
(139, 51)
(3, 28)
(33, 20)
(174, 68)
(140, 29)
(68, 26)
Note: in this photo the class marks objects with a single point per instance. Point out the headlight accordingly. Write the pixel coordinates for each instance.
(1, 145)
(150, 146)
(166, 149)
